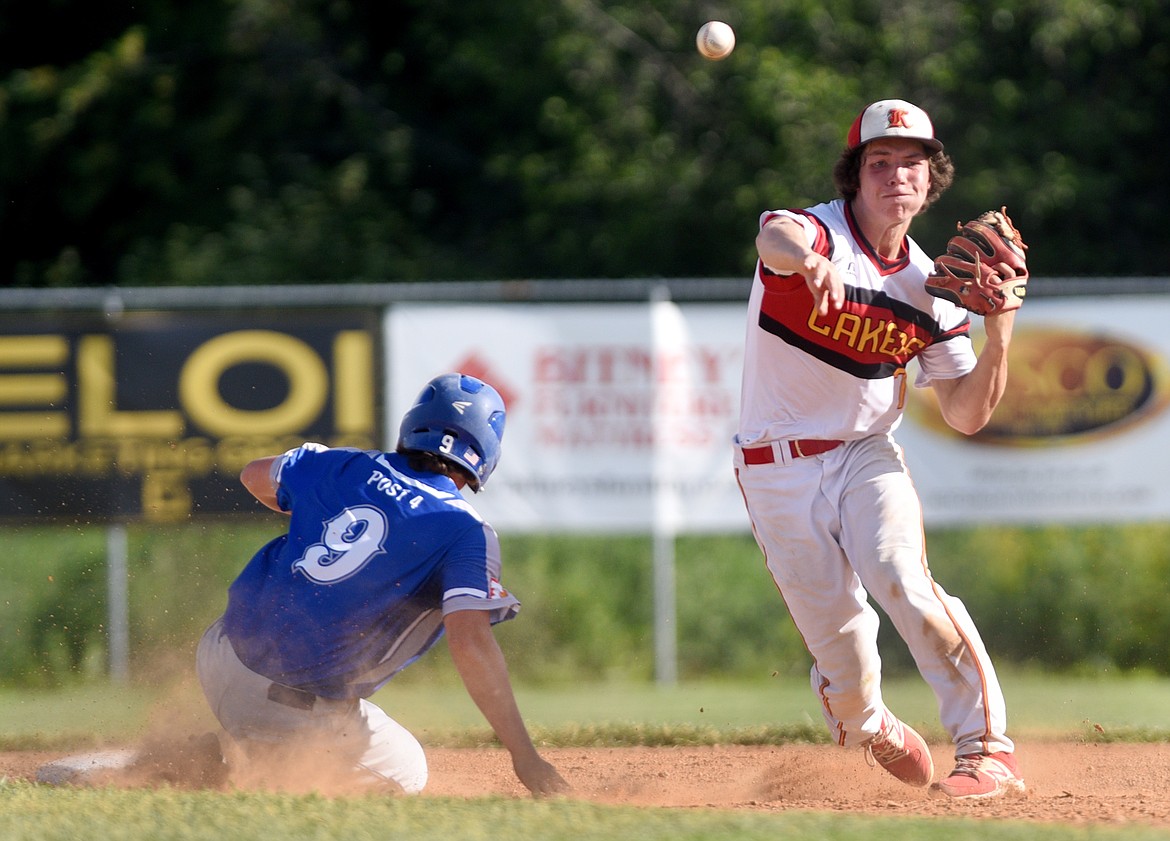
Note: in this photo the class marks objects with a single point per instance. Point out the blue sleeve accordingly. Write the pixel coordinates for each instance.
(304, 468)
(471, 576)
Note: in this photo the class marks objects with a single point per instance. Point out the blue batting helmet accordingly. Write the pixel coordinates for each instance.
(459, 418)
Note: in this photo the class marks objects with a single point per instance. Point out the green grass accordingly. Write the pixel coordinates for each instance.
(80, 716)
(35, 813)
(1039, 704)
(772, 711)
(783, 709)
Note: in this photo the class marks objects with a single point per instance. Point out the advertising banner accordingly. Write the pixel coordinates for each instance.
(621, 416)
(152, 415)
(1082, 434)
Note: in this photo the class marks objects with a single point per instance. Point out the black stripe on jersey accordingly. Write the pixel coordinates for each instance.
(847, 361)
(901, 310)
(831, 357)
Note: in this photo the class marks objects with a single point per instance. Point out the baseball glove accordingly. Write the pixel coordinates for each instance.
(984, 269)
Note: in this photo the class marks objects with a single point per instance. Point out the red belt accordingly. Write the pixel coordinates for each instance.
(797, 449)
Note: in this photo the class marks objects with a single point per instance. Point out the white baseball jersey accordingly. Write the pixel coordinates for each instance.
(843, 376)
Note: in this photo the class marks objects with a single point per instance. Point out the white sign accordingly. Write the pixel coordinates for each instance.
(621, 416)
(1082, 434)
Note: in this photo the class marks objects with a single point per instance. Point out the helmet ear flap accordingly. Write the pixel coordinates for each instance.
(496, 421)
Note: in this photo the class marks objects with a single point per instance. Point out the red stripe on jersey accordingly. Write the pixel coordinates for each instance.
(871, 336)
(822, 244)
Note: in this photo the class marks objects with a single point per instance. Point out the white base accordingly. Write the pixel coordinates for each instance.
(79, 767)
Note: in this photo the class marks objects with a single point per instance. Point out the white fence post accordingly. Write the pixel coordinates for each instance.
(118, 589)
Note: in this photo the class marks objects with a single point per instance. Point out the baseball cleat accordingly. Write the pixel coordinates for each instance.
(900, 750)
(979, 776)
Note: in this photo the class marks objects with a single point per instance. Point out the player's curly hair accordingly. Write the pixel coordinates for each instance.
(847, 175)
(426, 462)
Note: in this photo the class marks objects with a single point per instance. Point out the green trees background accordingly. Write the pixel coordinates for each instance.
(300, 141)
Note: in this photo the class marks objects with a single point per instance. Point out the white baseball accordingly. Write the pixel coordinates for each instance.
(715, 40)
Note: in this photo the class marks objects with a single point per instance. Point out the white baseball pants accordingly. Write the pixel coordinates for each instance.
(354, 734)
(844, 526)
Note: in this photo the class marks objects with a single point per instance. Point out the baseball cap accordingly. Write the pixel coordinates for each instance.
(892, 118)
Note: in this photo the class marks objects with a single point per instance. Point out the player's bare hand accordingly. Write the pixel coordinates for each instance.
(540, 777)
(823, 281)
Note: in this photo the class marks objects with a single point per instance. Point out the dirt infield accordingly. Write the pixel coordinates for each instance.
(1072, 783)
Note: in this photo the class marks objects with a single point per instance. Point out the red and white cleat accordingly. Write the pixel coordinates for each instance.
(900, 750)
(979, 776)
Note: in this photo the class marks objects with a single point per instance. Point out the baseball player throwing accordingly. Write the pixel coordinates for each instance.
(382, 556)
(837, 310)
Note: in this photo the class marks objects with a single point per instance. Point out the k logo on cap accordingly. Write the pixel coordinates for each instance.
(892, 118)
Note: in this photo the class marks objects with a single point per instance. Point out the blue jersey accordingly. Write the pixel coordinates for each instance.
(356, 590)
